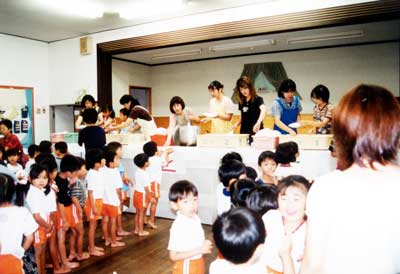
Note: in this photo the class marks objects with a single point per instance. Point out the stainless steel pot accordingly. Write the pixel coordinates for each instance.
(188, 135)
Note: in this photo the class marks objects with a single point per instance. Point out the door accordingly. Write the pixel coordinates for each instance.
(142, 94)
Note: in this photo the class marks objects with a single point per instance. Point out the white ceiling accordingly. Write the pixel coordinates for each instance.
(324, 37)
(44, 20)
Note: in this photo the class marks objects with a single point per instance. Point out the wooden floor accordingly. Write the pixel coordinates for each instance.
(141, 255)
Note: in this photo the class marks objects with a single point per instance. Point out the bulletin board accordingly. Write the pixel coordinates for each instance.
(16, 104)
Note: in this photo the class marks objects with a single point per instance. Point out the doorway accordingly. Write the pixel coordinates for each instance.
(143, 95)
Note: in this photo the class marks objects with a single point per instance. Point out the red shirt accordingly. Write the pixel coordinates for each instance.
(11, 141)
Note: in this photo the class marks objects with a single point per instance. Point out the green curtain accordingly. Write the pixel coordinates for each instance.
(273, 71)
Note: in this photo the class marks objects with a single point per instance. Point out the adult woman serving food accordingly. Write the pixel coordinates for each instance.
(251, 106)
(286, 108)
(220, 109)
(323, 111)
(180, 116)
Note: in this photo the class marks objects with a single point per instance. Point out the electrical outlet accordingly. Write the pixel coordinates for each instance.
(38, 110)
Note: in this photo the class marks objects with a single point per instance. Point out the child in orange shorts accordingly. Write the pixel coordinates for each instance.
(112, 198)
(94, 203)
(68, 213)
(142, 194)
(156, 160)
(126, 183)
(40, 208)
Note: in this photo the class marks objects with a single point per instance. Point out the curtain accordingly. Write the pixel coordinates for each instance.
(273, 71)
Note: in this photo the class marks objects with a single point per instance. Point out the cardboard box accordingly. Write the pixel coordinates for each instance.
(222, 140)
(265, 142)
(57, 137)
(126, 138)
(309, 141)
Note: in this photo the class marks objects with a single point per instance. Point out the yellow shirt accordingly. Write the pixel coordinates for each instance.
(224, 106)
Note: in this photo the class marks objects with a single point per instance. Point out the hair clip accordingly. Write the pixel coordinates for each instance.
(363, 100)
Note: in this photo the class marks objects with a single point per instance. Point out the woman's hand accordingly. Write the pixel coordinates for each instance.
(256, 127)
(292, 132)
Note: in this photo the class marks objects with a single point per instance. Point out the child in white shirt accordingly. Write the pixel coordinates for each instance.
(142, 194)
(94, 203)
(127, 182)
(289, 220)
(112, 197)
(40, 207)
(157, 159)
(15, 222)
(15, 167)
(33, 151)
(239, 235)
(187, 242)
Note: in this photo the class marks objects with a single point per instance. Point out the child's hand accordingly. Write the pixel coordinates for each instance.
(54, 187)
(50, 228)
(206, 247)
(286, 247)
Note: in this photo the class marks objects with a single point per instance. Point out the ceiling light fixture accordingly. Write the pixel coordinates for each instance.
(242, 45)
(326, 37)
(176, 54)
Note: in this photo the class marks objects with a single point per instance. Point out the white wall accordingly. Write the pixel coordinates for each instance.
(70, 72)
(126, 74)
(337, 68)
(25, 62)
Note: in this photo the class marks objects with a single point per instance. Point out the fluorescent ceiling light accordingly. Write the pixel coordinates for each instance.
(176, 54)
(243, 45)
(326, 37)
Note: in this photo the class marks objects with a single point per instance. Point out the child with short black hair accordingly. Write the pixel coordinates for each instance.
(60, 150)
(15, 223)
(262, 199)
(228, 173)
(46, 147)
(239, 191)
(156, 160)
(33, 151)
(228, 157)
(288, 220)
(69, 214)
(267, 165)
(239, 235)
(112, 198)
(92, 135)
(127, 182)
(285, 156)
(94, 203)
(142, 194)
(78, 196)
(187, 242)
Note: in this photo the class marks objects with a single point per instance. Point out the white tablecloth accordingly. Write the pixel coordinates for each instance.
(200, 166)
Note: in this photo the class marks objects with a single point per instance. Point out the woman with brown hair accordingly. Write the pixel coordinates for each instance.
(353, 215)
(251, 106)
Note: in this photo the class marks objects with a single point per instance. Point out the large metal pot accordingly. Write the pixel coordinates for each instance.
(188, 135)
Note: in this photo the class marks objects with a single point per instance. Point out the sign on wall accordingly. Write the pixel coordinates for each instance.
(16, 104)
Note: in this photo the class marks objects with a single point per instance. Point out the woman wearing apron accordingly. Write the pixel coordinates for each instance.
(136, 112)
(286, 108)
(222, 106)
(180, 116)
